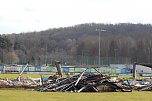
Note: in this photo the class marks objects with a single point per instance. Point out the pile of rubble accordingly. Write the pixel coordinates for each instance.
(22, 83)
(84, 82)
(143, 84)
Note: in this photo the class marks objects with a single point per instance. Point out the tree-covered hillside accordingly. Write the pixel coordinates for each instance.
(80, 45)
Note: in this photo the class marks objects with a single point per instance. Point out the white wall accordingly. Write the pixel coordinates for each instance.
(143, 69)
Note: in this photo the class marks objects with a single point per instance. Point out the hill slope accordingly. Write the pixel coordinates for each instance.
(71, 44)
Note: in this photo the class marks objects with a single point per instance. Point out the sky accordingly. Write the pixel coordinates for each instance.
(17, 16)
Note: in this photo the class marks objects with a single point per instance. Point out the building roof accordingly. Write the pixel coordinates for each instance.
(146, 64)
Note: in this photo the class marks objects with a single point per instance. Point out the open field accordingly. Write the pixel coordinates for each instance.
(28, 95)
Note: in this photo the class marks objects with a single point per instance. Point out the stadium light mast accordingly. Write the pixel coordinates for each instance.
(100, 30)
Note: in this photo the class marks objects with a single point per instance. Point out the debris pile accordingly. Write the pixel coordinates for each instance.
(84, 82)
(22, 83)
(144, 85)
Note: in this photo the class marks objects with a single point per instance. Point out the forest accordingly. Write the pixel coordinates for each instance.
(119, 43)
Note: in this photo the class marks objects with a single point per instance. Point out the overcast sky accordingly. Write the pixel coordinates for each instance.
(34, 15)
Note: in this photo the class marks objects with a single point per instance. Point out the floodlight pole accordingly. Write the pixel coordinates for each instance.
(100, 30)
(99, 49)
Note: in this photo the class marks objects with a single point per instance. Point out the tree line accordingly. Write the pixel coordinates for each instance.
(78, 43)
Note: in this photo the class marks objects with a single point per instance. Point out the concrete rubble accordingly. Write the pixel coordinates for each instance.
(22, 83)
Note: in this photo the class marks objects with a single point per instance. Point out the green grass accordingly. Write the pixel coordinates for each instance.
(130, 77)
(28, 95)
(13, 76)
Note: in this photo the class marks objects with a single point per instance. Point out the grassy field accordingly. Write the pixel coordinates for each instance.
(13, 76)
(28, 95)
